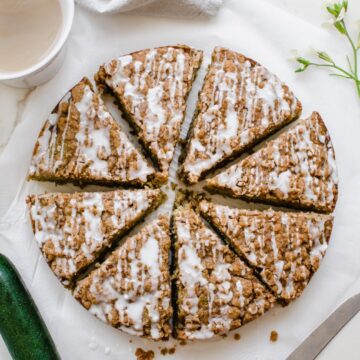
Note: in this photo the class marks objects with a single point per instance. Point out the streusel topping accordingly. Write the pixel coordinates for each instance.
(152, 87)
(72, 229)
(217, 292)
(131, 289)
(296, 169)
(82, 142)
(285, 247)
(241, 102)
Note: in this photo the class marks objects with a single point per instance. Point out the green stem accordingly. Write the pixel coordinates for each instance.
(355, 58)
(333, 66)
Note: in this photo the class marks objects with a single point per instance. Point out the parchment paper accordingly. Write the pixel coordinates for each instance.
(262, 31)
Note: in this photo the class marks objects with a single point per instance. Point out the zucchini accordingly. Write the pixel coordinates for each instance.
(21, 326)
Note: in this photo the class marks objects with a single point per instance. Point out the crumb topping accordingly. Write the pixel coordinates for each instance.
(72, 229)
(285, 248)
(217, 292)
(131, 289)
(240, 103)
(297, 168)
(152, 86)
(81, 141)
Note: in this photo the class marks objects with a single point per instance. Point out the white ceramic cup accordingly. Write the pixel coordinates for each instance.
(45, 69)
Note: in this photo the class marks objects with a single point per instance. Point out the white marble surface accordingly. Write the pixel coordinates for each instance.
(264, 29)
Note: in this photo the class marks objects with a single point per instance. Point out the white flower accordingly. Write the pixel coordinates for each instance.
(341, 15)
(312, 51)
(329, 23)
(294, 54)
(357, 25)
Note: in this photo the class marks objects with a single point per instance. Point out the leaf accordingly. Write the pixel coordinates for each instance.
(340, 27)
(349, 64)
(332, 11)
(303, 61)
(304, 64)
(325, 56)
(340, 75)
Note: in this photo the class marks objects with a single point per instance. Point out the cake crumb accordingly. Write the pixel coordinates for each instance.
(174, 186)
(274, 336)
(237, 337)
(168, 351)
(142, 354)
(130, 341)
(182, 342)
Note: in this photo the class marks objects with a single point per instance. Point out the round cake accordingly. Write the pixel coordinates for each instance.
(206, 268)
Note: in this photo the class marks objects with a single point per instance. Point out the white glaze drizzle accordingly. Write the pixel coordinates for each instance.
(230, 131)
(190, 268)
(159, 70)
(191, 276)
(314, 185)
(128, 294)
(93, 148)
(83, 216)
(241, 227)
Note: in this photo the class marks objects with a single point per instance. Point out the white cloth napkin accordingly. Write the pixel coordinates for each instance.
(155, 7)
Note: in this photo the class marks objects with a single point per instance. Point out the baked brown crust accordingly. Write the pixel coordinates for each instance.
(151, 87)
(72, 230)
(82, 143)
(131, 289)
(285, 248)
(297, 169)
(241, 103)
(216, 291)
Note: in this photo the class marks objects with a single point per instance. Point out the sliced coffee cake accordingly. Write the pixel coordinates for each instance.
(73, 229)
(216, 291)
(297, 169)
(82, 143)
(151, 87)
(241, 103)
(131, 289)
(285, 248)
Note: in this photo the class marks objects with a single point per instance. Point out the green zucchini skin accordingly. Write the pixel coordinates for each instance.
(21, 326)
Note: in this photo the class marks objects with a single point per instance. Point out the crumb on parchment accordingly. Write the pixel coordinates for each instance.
(142, 354)
(168, 351)
(274, 336)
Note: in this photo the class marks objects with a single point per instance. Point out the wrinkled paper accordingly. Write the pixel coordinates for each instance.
(262, 31)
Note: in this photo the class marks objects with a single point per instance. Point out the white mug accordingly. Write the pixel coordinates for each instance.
(48, 66)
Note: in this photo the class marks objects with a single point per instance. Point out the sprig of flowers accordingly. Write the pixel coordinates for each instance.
(338, 12)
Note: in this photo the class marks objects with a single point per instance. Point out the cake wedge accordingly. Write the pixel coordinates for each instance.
(240, 104)
(151, 87)
(284, 248)
(131, 288)
(82, 143)
(215, 291)
(72, 230)
(297, 169)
